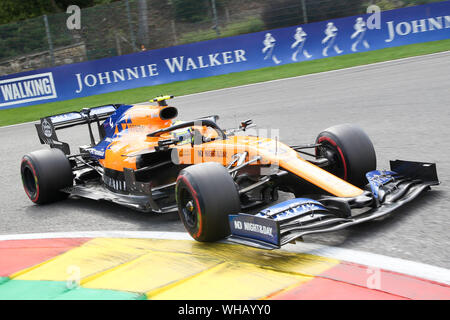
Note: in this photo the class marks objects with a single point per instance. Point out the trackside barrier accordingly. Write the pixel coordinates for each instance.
(233, 54)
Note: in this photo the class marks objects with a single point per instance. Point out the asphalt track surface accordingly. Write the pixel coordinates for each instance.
(403, 105)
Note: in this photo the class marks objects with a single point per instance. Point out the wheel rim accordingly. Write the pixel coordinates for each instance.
(331, 152)
(188, 208)
(29, 181)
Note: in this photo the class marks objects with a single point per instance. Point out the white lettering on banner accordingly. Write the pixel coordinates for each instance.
(133, 72)
(27, 89)
(201, 64)
(114, 76)
(118, 75)
(435, 23)
(175, 64)
(153, 71)
(190, 64)
(180, 63)
(93, 81)
(419, 24)
(213, 60)
(104, 77)
(240, 55)
(21, 90)
(227, 57)
(416, 26)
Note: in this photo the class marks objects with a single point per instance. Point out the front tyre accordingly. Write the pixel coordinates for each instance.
(206, 194)
(44, 174)
(350, 152)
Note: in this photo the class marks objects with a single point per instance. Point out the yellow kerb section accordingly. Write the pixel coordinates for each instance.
(180, 269)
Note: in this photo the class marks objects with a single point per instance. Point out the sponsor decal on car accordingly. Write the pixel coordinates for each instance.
(46, 128)
(252, 227)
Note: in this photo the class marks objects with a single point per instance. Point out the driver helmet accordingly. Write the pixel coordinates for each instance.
(184, 135)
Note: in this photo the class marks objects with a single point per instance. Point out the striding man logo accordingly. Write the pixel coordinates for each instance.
(330, 39)
(360, 32)
(269, 46)
(298, 45)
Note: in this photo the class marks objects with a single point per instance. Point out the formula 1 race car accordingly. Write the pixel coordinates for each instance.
(213, 177)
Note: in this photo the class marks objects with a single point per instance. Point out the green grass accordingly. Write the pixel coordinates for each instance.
(25, 114)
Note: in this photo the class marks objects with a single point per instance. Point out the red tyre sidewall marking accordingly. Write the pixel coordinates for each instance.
(35, 179)
(199, 212)
(334, 144)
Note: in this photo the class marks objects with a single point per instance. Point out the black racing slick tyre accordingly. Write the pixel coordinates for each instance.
(206, 194)
(44, 174)
(350, 152)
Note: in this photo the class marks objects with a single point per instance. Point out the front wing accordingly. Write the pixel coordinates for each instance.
(290, 220)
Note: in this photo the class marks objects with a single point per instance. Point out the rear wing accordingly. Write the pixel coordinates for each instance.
(47, 127)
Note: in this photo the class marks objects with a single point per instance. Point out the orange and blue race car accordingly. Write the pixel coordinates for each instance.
(215, 178)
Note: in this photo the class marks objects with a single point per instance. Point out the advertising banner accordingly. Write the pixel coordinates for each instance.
(226, 55)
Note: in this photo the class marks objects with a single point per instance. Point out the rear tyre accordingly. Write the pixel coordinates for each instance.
(206, 194)
(350, 152)
(44, 174)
